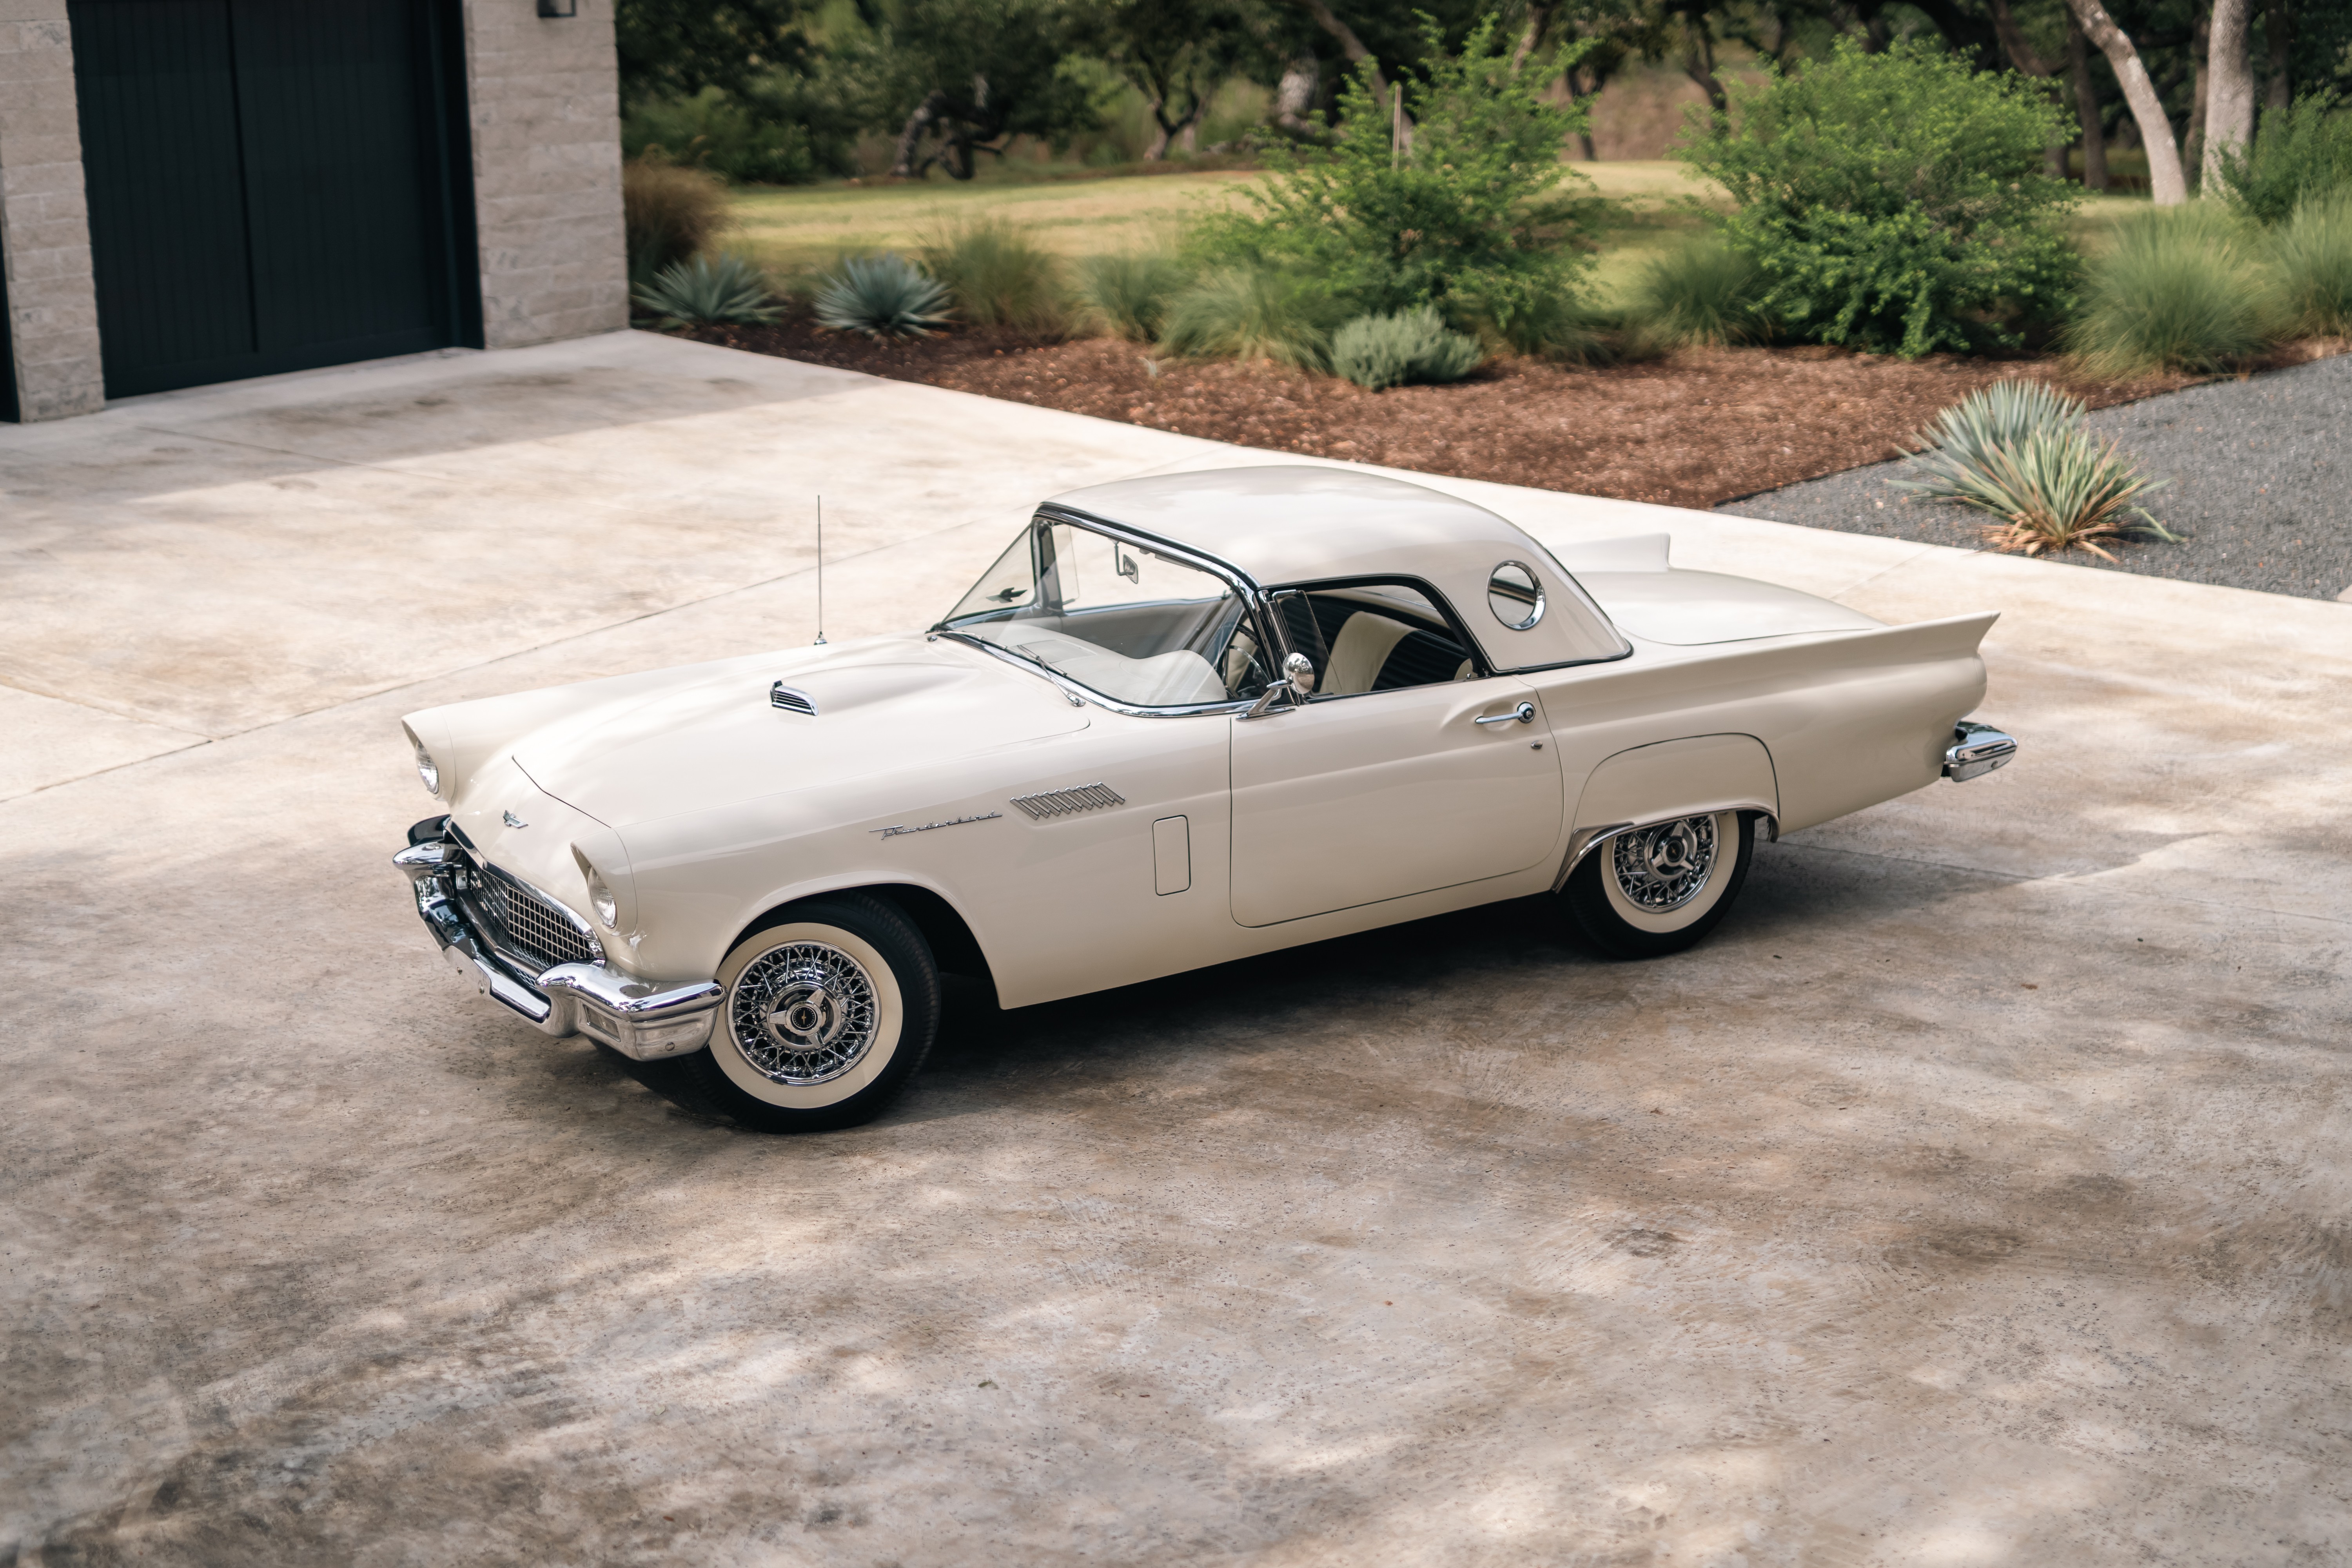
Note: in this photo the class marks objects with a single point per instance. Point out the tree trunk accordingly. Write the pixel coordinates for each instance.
(1160, 136)
(926, 114)
(2278, 31)
(2164, 178)
(1350, 46)
(2086, 107)
(1294, 97)
(2228, 86)
(2193, 144)
(2022, 56)
(1698, 63)
(1538, 18)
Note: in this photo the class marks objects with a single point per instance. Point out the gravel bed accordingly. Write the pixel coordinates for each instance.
(2258, 493)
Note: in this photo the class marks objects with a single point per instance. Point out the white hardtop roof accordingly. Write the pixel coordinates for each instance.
(1293, 523)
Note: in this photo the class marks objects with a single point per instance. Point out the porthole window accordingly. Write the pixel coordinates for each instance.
(1515, 596)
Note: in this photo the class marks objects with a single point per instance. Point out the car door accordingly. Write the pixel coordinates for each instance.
(1358, 796)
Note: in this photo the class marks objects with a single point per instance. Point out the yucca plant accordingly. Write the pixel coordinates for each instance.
(730, 291)
(1253, 312)
(998, 276)
(884, 296)
(1375, 352)
(2018, 450)
(2312, 254)
(1130, 294)
(1702, 292)
(2182, 289)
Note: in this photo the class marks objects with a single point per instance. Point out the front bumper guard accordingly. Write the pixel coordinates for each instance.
(635, 1017)
(1976, 750)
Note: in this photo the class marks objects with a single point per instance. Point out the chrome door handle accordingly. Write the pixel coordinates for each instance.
(1525, 714)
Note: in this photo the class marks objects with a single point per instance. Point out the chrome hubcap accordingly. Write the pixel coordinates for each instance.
(803, 1014)
(1663, 868)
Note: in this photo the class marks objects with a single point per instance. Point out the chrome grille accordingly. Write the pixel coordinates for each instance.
(530, 924)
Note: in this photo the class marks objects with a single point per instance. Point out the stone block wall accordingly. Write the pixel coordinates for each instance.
(44, 222)
(543, 93)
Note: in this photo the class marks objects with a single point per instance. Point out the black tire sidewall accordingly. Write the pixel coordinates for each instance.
(882, 926)
(1588, 904)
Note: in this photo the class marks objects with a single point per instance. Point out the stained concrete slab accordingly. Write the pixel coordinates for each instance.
(1974, 1196)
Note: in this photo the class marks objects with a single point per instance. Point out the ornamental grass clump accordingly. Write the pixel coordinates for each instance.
(884, 296)
(1253, 313)
(1128, 295)
(1894, 202)
(1375, 352)
(2018, 450)
(2311, 257)
(668, 214)
(998, 275)
(729, 291)
(1702, 292)
(2181, 289)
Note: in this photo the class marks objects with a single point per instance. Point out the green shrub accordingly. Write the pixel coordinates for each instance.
(782, 132)
(2181, 289)
(1895, 201)
(1375, 352)
(998, 276)
(668, 214)
(1470, 220)
(1253, 312)
(1129, 294)
(2018, 450)
(701, 292)
(2302, 151)
(884, 296)
(2312, 259)
(1704, 292)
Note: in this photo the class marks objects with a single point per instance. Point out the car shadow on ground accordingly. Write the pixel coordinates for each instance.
(1443, 969)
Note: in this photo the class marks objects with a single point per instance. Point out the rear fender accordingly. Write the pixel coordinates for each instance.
(1696, 776)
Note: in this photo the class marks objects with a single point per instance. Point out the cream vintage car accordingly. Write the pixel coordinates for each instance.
(1181, 720)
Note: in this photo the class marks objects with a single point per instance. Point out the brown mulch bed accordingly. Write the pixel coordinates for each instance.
(1694, 428)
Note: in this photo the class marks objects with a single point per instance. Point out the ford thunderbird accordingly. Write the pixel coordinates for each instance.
(1180, 720)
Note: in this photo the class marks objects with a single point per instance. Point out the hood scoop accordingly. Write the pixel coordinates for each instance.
(792, 700)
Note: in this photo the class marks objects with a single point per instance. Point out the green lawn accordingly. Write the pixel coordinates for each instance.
(794, 232)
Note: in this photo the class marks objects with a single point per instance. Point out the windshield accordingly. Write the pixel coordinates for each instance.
(1116, 618)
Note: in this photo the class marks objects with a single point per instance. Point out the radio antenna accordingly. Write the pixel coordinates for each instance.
(820, 572)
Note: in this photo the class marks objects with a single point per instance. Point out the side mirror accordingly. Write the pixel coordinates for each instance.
(1299, 670)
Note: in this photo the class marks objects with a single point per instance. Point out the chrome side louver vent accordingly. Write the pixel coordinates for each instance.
(792, 701)
(1064, 802)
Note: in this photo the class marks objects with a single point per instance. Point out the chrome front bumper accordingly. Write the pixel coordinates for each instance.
(634, 1016)
(1976, 750)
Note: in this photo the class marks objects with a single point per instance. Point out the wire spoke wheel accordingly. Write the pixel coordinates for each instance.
(1663, 868)
(803, 1014)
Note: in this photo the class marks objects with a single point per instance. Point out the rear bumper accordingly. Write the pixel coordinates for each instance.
(1976, 750)
(635, 1017)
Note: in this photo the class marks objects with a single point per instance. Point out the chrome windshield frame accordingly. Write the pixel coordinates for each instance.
(1253, 598)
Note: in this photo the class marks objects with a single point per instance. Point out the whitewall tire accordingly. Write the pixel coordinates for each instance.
(1658, 889)
(829, 1007)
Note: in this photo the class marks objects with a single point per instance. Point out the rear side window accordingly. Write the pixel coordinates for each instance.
(1373, 636)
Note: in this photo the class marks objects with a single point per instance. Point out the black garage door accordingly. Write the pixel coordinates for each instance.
(274, 184)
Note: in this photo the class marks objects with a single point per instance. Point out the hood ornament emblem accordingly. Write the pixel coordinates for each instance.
(512, 820)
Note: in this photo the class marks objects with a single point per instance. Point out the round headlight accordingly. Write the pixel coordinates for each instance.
(601, 900)
(426, 770)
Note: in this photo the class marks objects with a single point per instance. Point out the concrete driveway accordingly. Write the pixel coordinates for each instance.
(1977, 1195)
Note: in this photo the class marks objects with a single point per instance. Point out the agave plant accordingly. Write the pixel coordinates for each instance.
(730, 291)
(2018, 449)
(881, 296)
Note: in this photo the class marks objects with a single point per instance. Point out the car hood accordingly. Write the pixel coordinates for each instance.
(713, 736)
